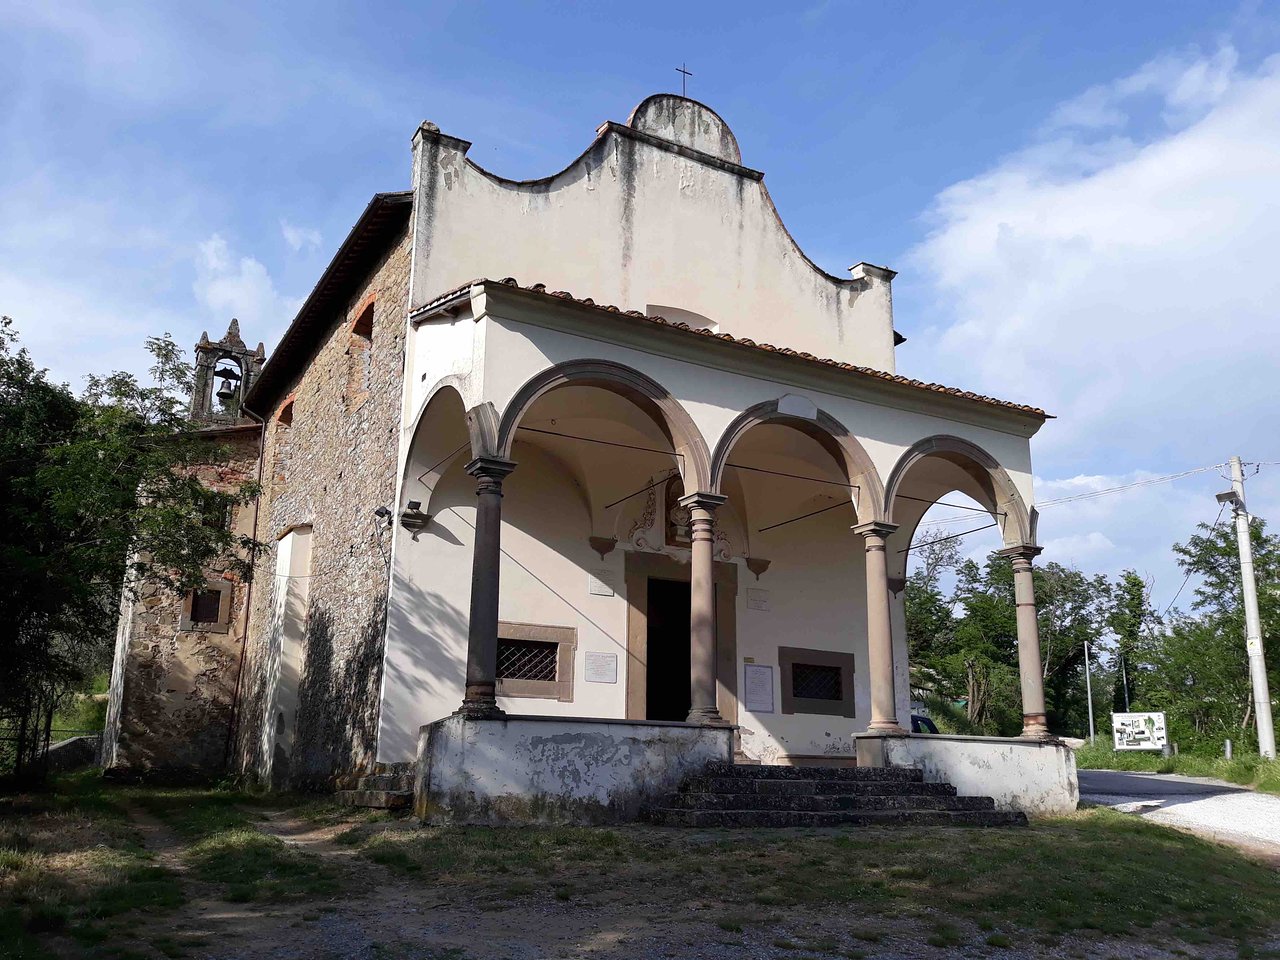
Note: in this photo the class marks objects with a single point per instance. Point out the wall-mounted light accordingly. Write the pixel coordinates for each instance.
(413, 519)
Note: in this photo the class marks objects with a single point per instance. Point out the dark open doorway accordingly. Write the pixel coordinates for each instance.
(667, 669)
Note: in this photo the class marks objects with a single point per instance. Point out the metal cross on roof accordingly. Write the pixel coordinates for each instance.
(684, 79)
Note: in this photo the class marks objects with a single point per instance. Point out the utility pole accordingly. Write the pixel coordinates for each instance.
(1252, 624)
(1088, 690)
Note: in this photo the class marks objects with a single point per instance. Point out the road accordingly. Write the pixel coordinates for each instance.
(1211, 808)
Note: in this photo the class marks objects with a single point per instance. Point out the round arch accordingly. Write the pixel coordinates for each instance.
(829, 432)
(443, 418)
(994, 483)
(645, 392)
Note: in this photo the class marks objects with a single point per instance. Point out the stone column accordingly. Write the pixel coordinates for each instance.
(486, 560)
(702, 609)
(884, 711)
(1029, 667)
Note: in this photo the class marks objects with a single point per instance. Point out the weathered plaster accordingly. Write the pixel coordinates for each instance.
(543, 769)
(170, 700)
(1036, 777)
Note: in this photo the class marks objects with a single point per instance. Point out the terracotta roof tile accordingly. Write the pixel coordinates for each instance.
(541, 288)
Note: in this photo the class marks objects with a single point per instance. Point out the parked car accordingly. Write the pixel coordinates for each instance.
(921, 724)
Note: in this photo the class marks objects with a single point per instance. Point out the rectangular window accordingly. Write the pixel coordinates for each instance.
(204, 606)
(527, 659)
(207, 609)
(816, 681)
(536, 661)
(813, 681)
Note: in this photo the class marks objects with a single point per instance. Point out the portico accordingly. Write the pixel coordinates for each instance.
(558, 486)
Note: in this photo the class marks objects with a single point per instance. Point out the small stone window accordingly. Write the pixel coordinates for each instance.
(284, 424)
(536, 661)
(207, 609)
(360, 355)
(816, 681)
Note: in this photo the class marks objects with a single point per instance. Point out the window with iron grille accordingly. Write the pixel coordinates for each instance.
(535, 660)
(816, 681)
(527, 659)
(812, 681)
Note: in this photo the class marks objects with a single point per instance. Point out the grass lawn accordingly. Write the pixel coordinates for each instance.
(1077, 874)
(76, 879)
(1248, 770)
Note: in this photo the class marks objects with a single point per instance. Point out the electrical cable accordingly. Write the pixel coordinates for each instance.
(1187, 578)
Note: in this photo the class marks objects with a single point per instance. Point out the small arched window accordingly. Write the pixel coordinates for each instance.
(360, 355)
(280, 456)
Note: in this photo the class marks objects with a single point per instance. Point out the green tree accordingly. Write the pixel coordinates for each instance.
(97, 494)
(1132, 621)
(1198, 672)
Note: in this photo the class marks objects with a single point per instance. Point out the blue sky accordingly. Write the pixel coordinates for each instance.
(1081, 198)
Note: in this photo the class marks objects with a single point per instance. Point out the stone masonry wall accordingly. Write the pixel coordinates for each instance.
(170, 703)
(331, 467)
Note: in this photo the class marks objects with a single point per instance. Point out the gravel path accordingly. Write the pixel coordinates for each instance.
(1211, 808)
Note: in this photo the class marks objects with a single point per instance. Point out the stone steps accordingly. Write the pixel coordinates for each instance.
(390, 788)
(811, 818)
(767, 772)
(730, 795)
(794, 788)
(823, 803)
(377, 799)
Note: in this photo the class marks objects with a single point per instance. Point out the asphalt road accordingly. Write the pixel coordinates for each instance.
(1113, 783)
(1221, 811)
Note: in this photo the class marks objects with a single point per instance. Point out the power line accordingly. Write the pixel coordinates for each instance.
(1187, 578)
(1149, 481)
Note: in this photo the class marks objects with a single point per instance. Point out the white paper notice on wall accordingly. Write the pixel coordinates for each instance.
(598, 584)
(757, 599)
(602, 668)
(757, 687)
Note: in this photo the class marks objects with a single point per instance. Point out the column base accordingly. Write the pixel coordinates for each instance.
(479, 710)
(706, 717)
(885, 726)
(1035, 727)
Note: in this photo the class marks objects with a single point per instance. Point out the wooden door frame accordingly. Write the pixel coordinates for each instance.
(639, 568)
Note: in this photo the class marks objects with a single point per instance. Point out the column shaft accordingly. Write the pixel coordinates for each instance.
(884, 710)
(486, 559)
(702, 610)
(1030, 671)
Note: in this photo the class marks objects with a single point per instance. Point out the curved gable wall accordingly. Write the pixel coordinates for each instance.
(655, 211)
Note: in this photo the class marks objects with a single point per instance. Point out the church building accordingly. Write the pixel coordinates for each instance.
(572, 488)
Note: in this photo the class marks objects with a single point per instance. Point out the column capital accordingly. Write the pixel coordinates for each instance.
(490, 468)
(1023, 551)
(702, 501)
(877, 528)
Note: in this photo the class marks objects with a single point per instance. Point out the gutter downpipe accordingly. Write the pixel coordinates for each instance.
(233, 728)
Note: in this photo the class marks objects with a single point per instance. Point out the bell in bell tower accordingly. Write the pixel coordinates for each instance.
(225, 370)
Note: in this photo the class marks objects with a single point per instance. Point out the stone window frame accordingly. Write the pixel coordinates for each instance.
(566, 639)
(223, 624)
(844, 707)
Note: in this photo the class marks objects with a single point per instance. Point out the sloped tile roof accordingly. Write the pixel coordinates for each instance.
(853, 369)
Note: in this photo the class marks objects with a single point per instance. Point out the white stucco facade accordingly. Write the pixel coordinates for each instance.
(604, 409)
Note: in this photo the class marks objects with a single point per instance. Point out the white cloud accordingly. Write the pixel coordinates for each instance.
(298, 237)
(1119, 271)
(228, 285)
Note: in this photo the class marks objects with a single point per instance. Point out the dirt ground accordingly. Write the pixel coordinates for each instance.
(381, 914)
